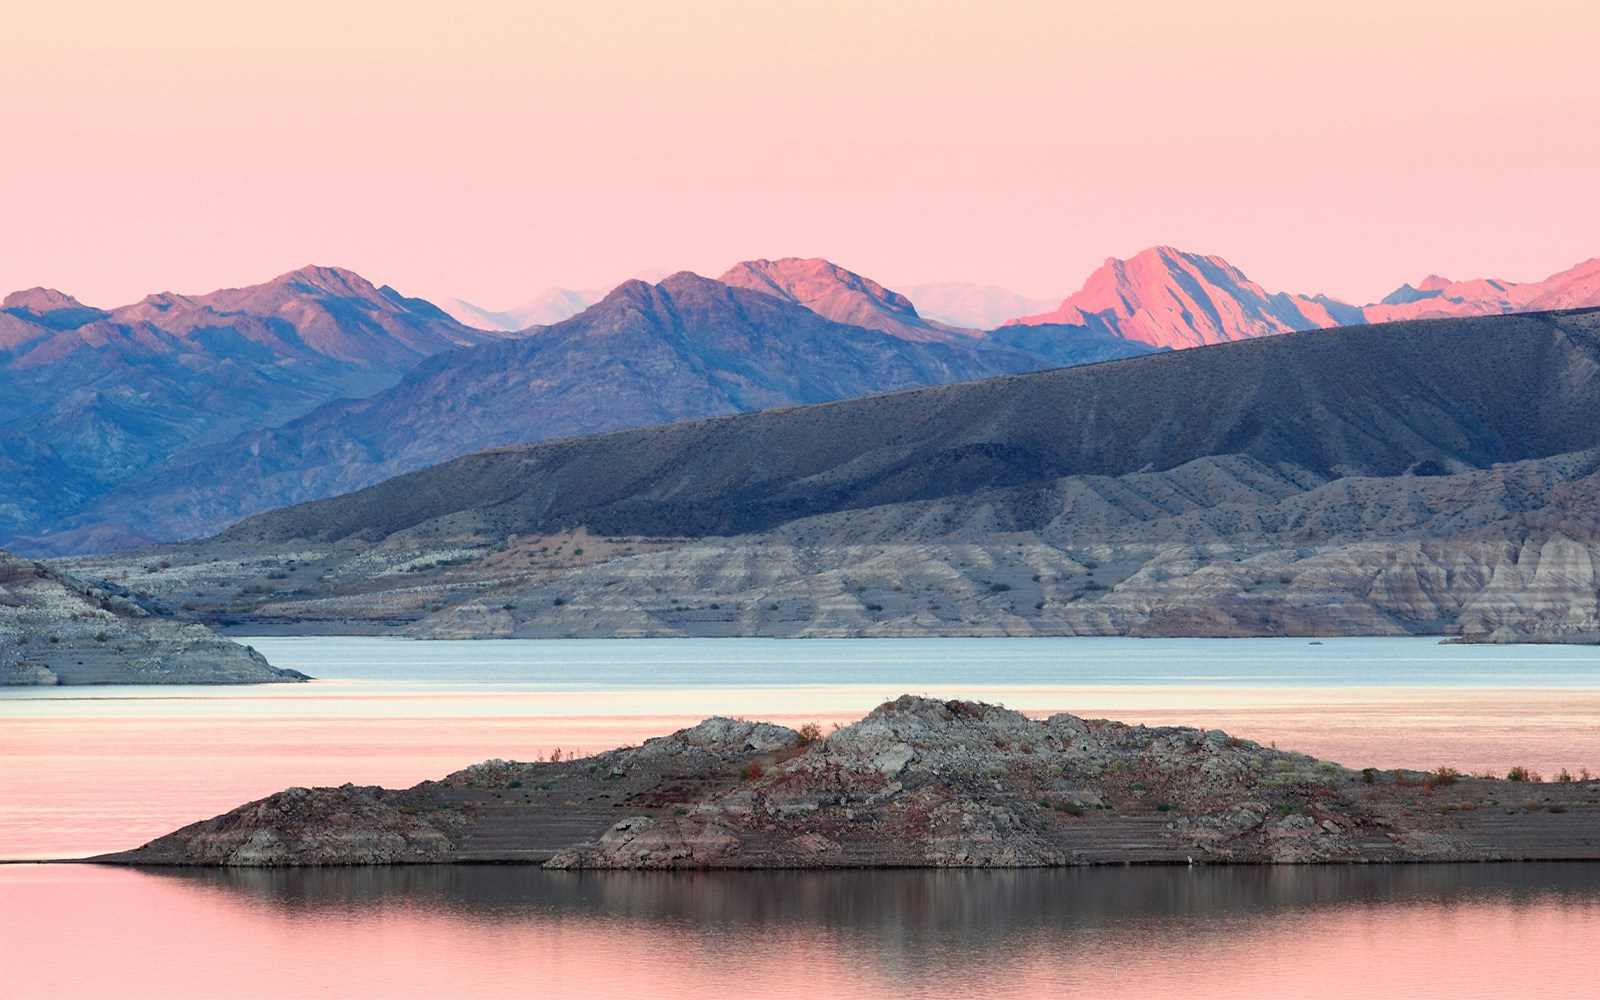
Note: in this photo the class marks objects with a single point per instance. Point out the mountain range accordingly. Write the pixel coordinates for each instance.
(177, 415)
(90, 397)
(1420, 477)
(1168, 298)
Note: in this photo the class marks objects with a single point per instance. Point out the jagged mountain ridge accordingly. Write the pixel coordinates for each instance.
(1171, 298)
(689, 347)
(90, 397)
(1413, 398)
(256, 368)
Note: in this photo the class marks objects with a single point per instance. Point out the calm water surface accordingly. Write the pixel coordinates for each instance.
(495, 931)
(89, 770)
(84, 771)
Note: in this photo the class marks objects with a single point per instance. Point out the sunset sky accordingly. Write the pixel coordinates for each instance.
(488, 150)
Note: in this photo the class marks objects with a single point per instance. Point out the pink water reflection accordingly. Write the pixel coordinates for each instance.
(1473, 931)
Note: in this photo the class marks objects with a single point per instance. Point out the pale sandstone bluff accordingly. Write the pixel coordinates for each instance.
(919, 782)
(55, 629)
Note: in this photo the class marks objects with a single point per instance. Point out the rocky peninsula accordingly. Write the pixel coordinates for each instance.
(56, 629)
(919, 782)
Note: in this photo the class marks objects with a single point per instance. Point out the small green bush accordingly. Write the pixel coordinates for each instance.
(1163, 807)
(999, 588)
(513, 784)
(1369, 774)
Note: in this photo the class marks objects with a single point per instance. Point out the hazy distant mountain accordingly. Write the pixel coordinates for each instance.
(550, 306)
(975, 307)
(843, 296)
(688, 347)
(89, 397)
(1435, 297)
(1169, 298)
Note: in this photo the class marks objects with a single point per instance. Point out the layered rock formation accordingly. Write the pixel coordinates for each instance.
(918, 782)
(57, 630)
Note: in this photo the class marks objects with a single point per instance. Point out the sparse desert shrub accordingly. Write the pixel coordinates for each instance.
(1520, 773)
(1564, 776)
(809, 733)
(54, 639)
(1369, 775)
(1163, 807)
(1071, 808)
(513, 784)
(1091, 565)
(999, 588)
(750, 771)
(101, 637)
(559, 601)
(874, 607)
(1444, 777)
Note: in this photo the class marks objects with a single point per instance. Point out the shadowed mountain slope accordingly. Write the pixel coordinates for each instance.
(1423, 398)
(647, 354)
(90, 397)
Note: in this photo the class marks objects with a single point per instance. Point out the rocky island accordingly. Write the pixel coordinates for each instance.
(918, 782)
(55, 629)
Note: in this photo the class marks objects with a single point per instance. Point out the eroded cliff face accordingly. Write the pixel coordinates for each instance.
(917, 782)
(58, 630)
(1217, 547)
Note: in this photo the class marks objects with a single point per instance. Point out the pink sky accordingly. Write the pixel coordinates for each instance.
(488, 151)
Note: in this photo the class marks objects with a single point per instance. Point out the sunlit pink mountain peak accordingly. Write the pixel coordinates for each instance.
(1172, 298)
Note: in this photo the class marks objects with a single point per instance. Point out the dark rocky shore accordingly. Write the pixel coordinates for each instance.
(918, 782)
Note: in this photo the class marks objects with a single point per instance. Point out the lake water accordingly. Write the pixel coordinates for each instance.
(87, 770)
(467, 932)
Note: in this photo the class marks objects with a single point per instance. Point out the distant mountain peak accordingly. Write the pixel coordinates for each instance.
(841, 295)
(1168, 297)
(330, 280)
(47, 307)
(1434, 283)
(40, 301)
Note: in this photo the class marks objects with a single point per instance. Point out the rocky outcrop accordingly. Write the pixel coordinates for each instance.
(918, 782)
(58, 630)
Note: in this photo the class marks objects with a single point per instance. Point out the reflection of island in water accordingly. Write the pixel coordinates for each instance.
(1306, 931)
(892, 903)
